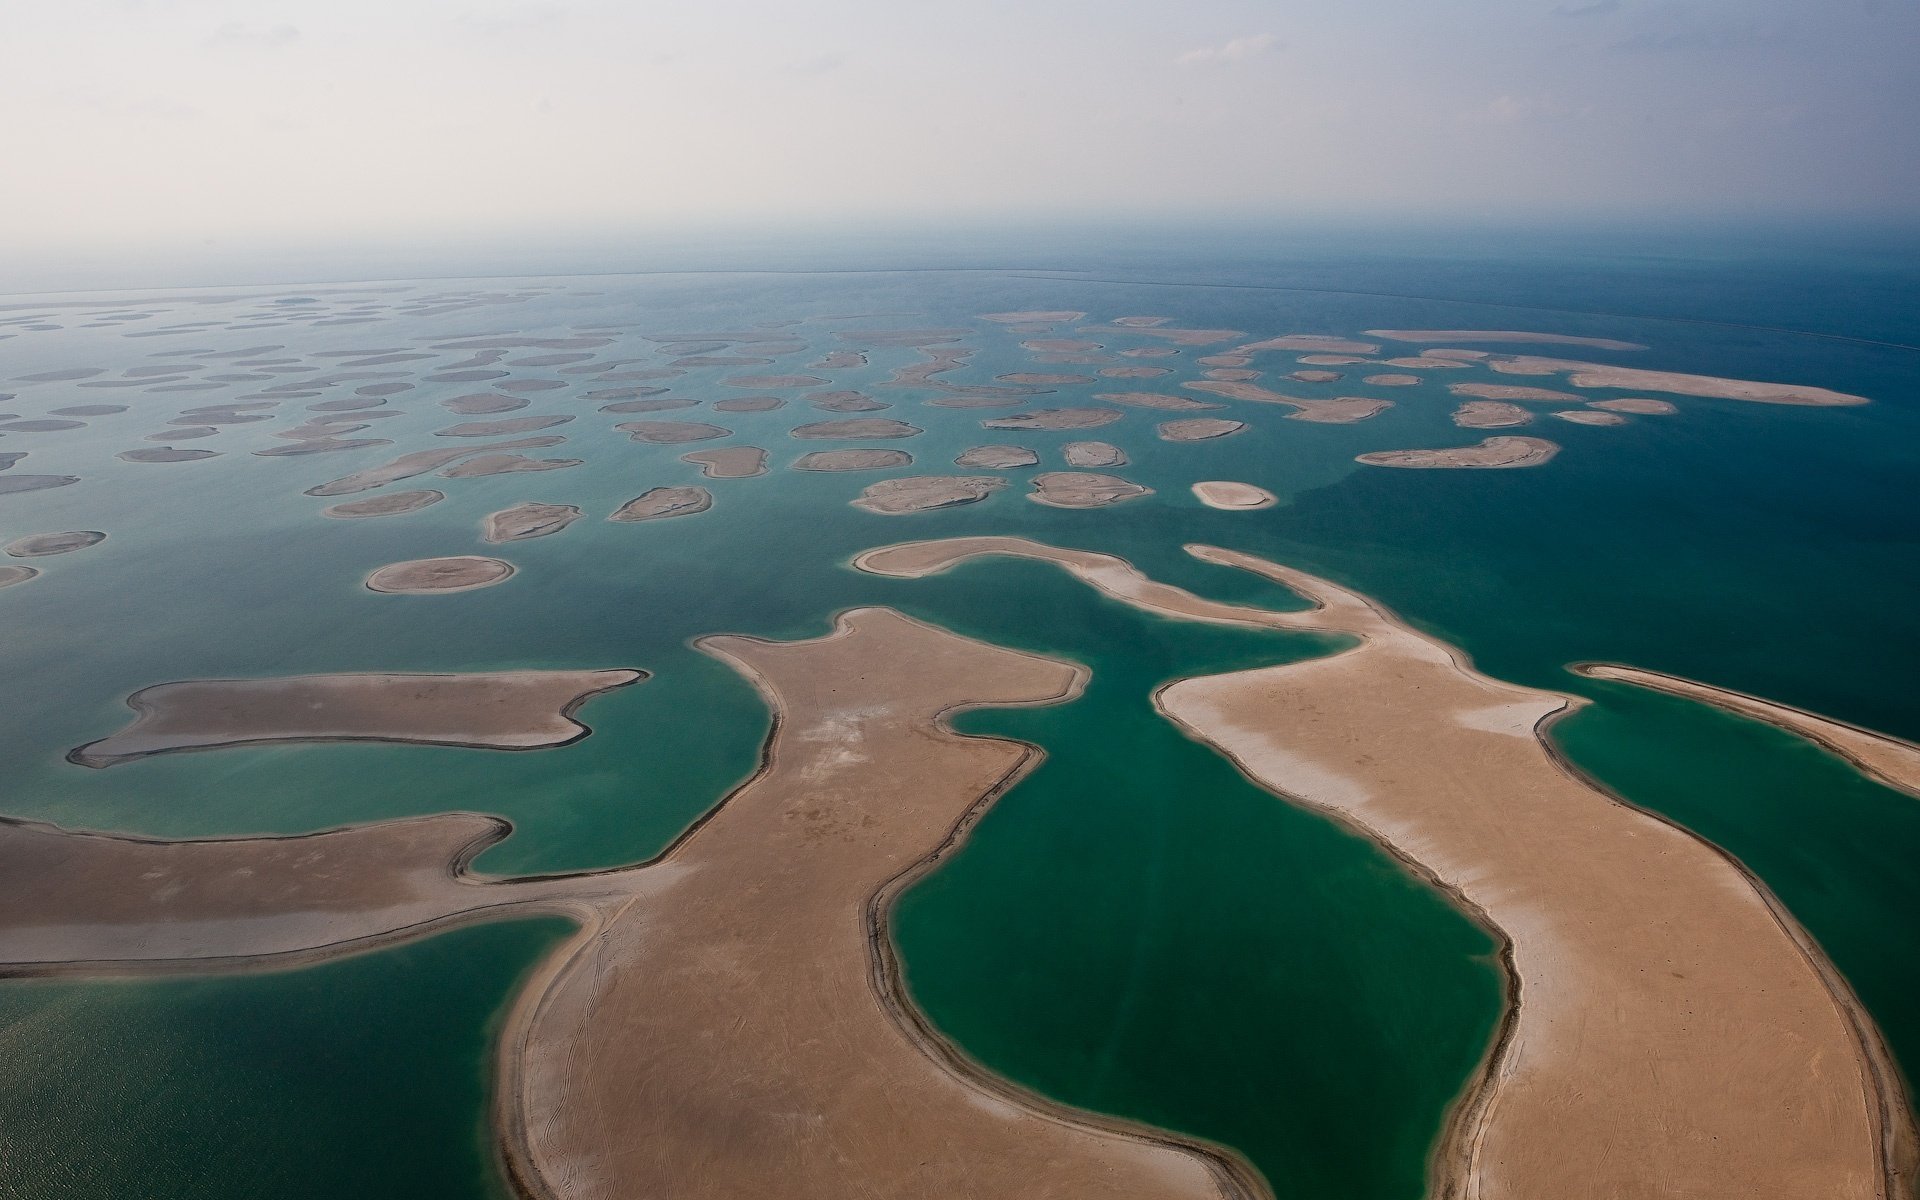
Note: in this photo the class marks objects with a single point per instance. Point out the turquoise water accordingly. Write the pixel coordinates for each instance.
(1133, 929)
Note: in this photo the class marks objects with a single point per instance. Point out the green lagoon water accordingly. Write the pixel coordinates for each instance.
(1134, 929)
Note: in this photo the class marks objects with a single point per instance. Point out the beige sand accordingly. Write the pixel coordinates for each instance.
(1599, 375)
(502, 428)
(419, 463)
(433, 576)
(1149, 352)
(1315, 376)
(840, 360)
(1220, 493)
(997, 458)
(391, 504)
(40, 545)
(1499, 335)
(1312, 344)
(1139, 322)
(1490, 414)
(729, 462)
(1391, 379)
(846, 402)
(1179, 337)
(1157, 400)
(1197, 429)
(1232, 361)
(1060, 345)
(528, 520)
(671, 433)
(1342, 410)
(919, 493)
(656, 503)
(1056, 419)
(11, 574)
(1637, 405)
(1042, 379)
(1135, 372)
(1427, 362)
(856, 427)
(1083, 489)
(1890, 760)
(1672, 1031)
(1586, 416)
(1044, 317)
(165, 455)
(506, 464)
(1093, 454)
(1329, 360)
(749, 404)
(654, 404)
(1508, 391)
(506, 710)
(482, 403)
(1493, 452)
(852, 460)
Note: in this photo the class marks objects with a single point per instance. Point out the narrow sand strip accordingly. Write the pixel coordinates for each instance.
(1672, 1031)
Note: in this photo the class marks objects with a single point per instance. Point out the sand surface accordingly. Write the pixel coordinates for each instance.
(729, 462)
(39, 545)
(506, 464)
(1493, 452)
(1342, 410)
(1391, 379)
(12, 573)
(1311, 344)
(852, 460)
(857, 427)
(502, 428)
(508, 710)
(997, 458)
(1197, 429)
(1600, 375)
(433, 576)
(1499, 335)
(1083, 489)
(919, 493)
(1509, 391)
(529, 520)
(655, 503)
(1586, 416)
(1888, 759)
(1156, 400)
(1490, 414)
(1056, 419)
(419, 463)
(1671, 1031)
(1093, 454)
(1220, 493)
(1637, 405)
(671, 433)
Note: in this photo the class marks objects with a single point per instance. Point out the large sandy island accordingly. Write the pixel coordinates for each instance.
(1342, 410)
(1234, 497)
(508, 710)
(1672, 1031)
(435, 576)
(1500, 335)
(919, 493)
(1493, 452)
(1601, 375)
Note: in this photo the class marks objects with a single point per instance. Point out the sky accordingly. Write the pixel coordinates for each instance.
(146, 125)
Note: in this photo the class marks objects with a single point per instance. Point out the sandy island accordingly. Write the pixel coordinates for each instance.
(1093, 454)
(1236, 497)
(1600, 375)
(852, 460)
(391, 504)
(419, 463)
(671, 433)
(1490, 414)
(504, 464)
(857, 427)
(1083, 489)
(1342, 410)
(1508, 391)
(997, 458)
(1056, 419)
(729, 462)
(1671, 1031)
(1493, 452)
(1499, 335)
(11, 574)
(433, 576)
(39, 545)
(1157, 400)
(1586, 416)
(919, 493)
(528, 520)
(656, 503)
(1639, 406)
(506, 710)
(1197, 429)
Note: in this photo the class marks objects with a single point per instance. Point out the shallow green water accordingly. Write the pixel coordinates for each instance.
(1134, 929)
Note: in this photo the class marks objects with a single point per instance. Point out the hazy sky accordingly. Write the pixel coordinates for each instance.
(170, 122)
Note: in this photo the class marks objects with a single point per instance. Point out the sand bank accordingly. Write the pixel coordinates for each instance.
(846, 401)
(507, 710)
(1197, 429)
(1888, 759)
(1315, 376)
(388, 505)
(506, 464)
(919, 493)
(1083, 489)
(1490, 414)
(1042, 317)
(1508, 391)
(1310, 344)
(656, 503)
(39, 545)
(1500, 335)
(1220, 493)
(1600, 375)
(433, 576)
(1179, 337)
(503, 428)
(1391, 379)
(1056, 419)
(997, 458)
(856, 427)
(1672, 1031)
(529, 520)
(852, 460)
(1093, 454)
(419, 463)
(1493, 452)
(1639, 406)
(1342, 410)
(748, 404)
(671, 433)
(11, 574)
(1156, 400)
(1586, 416)
(482, 403)
(729, 462)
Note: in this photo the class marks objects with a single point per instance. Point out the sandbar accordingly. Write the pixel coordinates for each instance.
(1659, 998)
(1083, 489)
(1156, 400)
(502, 428)
(658, 404)
(390, 504)
(1508, 391)
(528, 520)
(11, 574)
(164, 454)
(507, 464)
(1221, 493)
(918, 493)
(481, 403)
(1341, 410)
(1056, 418)
(857, 427)
(1600, 375)
(505, 710)
(40, 545)
(1391, 379)
(749, 404)
(89, 410)
(1586, 416)
(1500, 335)
(846, 402)
(840, 360)
(1042, 379)
(1135, 372)
(1197, 429)
(997, 458)
(1892, 761)
(1490, 414)
(671, 432)
(657, 503)
(432, 576)
(852, 460)
(1637, 405)
(775, 381)
(1315, 376)
(1093, 454)
(1179, 337)
(1311, 344)
(1039, 317)
(1493, 452)
(10, 484)
(729, 462)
